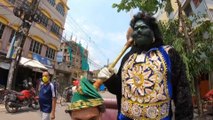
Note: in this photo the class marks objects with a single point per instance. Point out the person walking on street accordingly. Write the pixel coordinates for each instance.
(47, 98)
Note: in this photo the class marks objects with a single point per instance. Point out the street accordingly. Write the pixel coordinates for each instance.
(30, 114)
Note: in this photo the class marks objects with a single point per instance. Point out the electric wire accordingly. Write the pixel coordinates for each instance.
(93, 63)
(89, 60)
(89, 38)
(76, 27)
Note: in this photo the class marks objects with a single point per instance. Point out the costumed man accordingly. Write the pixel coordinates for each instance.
(86, 103)
(151, 75)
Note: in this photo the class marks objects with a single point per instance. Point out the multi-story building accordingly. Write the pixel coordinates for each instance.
(198, 7)
(71, 67)
(44, 38)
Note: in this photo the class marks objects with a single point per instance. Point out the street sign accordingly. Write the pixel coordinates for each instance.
(59, 57)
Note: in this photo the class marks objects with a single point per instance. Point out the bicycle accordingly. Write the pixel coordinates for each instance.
(66, 96)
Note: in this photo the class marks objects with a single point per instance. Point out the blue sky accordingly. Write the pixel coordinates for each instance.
(99, 27)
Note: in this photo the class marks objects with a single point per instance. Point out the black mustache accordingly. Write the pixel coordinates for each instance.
(141, 35)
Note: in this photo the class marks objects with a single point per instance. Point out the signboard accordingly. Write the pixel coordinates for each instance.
(42, 60)
(59, 57)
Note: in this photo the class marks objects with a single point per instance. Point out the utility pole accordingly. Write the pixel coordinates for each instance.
(28, 13)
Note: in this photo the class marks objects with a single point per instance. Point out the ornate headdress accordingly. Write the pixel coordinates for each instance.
(85, 97)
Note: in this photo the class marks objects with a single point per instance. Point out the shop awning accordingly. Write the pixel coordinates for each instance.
(4, 65)
(32, 63)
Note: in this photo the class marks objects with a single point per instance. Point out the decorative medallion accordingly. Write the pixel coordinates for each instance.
(136, 110)
(152, 112)
(164, 109)
(125, 106)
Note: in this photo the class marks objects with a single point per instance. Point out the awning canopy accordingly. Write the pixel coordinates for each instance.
(4, 65)
(32, 63)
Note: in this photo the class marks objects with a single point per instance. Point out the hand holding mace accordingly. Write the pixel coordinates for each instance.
(129, 42)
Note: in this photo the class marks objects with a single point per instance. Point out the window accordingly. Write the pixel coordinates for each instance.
(44, 20)
(52, 2)
(11, 35)
(73, 52)
(35, 47)
(12, 1)
(211, 12)
(197, 2)
(55, 28)
(188, 10)
(64, 59)
(75, 75)
(60, 8)
(50, 53)
(2, 26)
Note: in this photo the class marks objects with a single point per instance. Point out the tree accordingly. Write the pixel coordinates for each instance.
(195, 44)
(150, 6)
(199, 59)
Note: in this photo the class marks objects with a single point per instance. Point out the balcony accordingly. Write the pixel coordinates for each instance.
(63, 67)
(54, 13)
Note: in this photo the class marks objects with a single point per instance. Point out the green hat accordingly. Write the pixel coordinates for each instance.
(85, 97)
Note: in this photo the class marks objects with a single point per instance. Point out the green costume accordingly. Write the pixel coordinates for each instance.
(85, 97)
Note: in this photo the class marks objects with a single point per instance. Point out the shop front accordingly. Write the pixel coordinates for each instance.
(4, 69)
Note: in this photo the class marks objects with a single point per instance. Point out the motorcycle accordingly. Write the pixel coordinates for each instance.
(3, 92)
(15, 100)
(207, 102)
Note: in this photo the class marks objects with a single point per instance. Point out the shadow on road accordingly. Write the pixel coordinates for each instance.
(22, 110)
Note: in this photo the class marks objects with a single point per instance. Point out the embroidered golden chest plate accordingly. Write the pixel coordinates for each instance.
(144, 87)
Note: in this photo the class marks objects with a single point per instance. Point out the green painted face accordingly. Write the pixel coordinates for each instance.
(143, 36)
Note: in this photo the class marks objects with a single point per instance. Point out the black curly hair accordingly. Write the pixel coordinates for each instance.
(151, 22)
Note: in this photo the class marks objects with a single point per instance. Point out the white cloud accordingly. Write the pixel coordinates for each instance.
(99, 40)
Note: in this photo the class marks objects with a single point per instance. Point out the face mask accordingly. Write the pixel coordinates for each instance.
(45, 79)
(142, 35)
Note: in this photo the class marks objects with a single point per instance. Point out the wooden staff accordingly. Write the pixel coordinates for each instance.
(98, 82)
(111, 66)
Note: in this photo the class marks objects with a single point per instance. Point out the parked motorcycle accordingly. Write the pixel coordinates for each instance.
(3, 92)
(15, 100)
(207, 102)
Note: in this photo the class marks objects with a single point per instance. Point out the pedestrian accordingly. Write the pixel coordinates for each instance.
(47, 98)
(86, 103)
(25, 83)
(150, 77)
(102, 88)
(56, 85)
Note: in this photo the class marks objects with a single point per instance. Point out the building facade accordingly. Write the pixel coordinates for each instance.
(198, 7)
(70, 68)
(44, 38)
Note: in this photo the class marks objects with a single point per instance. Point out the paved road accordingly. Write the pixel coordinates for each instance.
(29, 114)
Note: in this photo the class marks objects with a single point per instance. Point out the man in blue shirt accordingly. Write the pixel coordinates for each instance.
(47, 98)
